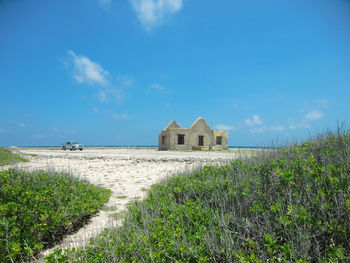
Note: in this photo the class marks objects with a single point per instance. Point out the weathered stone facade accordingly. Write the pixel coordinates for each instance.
(198, 137)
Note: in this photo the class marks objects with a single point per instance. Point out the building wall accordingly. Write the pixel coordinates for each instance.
(166, 145)
(174, 139)
(224, 135)
(191, 139)
(201, 128)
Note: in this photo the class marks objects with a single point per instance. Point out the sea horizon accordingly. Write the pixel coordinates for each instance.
(129, 146)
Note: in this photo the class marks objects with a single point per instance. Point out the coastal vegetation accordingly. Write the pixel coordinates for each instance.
(38, 208)
(9, 157)
(283, 205)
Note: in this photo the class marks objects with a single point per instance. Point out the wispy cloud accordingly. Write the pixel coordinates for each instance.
(255, 120)
(102, 96)
(277, 128)
(224, 127)
(3, 131)
(261, 129)
(152, 12)
(258, 129)
(87, 71)
(22, 125)
(314, 115)
(158, 87)
(39, 136)
(123, 116)
(322, 102)
(306, 120)
(57, 132)
(125, 81)
(108, 94)
(105, 4)
(95, 109)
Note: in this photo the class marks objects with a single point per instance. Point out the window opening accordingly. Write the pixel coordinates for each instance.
(163, 140)
(200, 140)
(181, 139)
(219, 140)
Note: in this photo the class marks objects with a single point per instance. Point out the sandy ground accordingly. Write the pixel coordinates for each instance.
(127, 172)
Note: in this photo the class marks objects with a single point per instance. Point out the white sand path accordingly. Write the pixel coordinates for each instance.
(127, 172)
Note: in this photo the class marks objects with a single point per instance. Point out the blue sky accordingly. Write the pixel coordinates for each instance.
(115, 72)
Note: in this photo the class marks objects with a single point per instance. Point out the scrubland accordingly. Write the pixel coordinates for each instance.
(8, 157)
(285, 205)
(37, 209)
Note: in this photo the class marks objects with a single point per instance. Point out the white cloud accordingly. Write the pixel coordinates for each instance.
(314, 115)
(92, 73)
(304, 124)
(255, 120)
(102, 96)
(308, 117)
(258, 129)
(151, 12)
(158, 87)
(86, 71)
(224, 127)
(277, 128)
(2, 131)
(95, 109)
(106, 4)
(125, 81)
(108, 94)
(22, 125)
(57, 132)
(39, 136)
(322, 102)
(120, 116)
(108, 89)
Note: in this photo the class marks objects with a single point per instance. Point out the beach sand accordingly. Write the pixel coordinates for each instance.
(127, 172)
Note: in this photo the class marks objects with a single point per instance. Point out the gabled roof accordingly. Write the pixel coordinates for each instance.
(172, 124)
(200, 122)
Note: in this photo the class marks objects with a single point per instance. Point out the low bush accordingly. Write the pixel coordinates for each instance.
(38, 208)
(285, 205)
(8, 157)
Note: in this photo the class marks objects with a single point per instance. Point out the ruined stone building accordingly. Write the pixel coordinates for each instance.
(198, 137)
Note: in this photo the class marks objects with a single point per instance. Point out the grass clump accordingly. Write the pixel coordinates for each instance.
(284, 205)
(8, 157)
(32, 154)
(38, 208)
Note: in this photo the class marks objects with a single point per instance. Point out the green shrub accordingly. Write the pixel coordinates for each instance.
(286, 205)
(8, 157)
(37, 209)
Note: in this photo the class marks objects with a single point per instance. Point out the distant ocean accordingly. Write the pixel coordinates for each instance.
(139, 146)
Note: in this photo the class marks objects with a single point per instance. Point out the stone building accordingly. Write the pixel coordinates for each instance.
(198, 137)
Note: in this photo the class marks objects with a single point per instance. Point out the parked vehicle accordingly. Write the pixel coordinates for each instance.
(71, 146)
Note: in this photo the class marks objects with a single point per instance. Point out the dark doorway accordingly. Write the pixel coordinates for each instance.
(200, 140)
(219, 140)
(163, 140)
